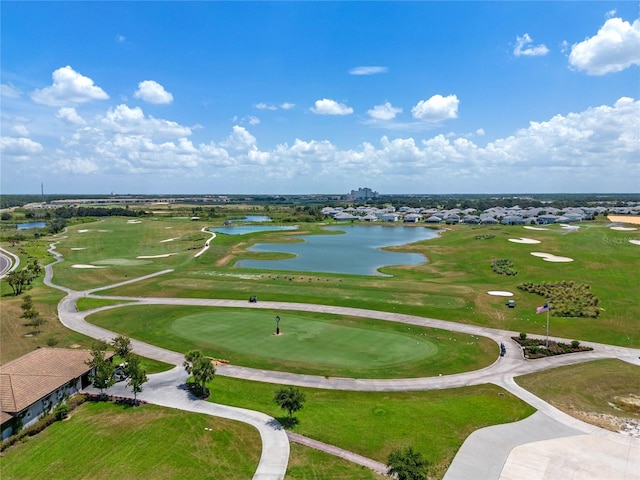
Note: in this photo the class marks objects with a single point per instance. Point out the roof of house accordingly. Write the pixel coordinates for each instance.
(31, 377)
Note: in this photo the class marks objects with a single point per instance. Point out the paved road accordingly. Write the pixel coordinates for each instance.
(8, 261)
(502, 372)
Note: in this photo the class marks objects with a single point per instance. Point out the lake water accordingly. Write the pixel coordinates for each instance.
(28, 225)
(245, 229)
(357, 251)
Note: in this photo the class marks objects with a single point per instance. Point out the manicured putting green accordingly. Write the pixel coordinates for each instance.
(305, 340)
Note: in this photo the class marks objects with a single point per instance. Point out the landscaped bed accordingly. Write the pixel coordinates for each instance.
(540, 347)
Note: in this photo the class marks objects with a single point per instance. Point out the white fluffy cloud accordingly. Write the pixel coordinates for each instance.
(386, 111)
(436, 109)
(19, 147)
(124, 119)
(69, 115)
(266, 106)
(152, 92)
(368, 70)
(9, 91)
(68, 88)
(582, 148)
(330, 107)
(524, 47)
(614, 48)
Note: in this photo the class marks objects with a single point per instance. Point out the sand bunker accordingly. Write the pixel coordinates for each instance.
(635, 242)
(535, 228)
(83, 231)
(624, 229)
(569, 227)
(499, 293)
(133, 221)
(81, 265)
(624, 219)
(156, 256)
(79, 248)
(524, 240)
(550, 257)
(168, 240)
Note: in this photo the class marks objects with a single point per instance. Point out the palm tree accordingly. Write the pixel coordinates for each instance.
(203, 371)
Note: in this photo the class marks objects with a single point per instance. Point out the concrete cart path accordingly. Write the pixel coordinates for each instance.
(378, 467)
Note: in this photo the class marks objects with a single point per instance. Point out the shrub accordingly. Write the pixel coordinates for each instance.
(523, 336)
(567, 299)
(575, 344)
(61, 411)
(503, 266)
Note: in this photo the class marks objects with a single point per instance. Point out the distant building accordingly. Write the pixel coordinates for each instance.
(363, 194)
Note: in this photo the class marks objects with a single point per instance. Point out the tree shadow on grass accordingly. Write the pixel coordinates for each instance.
(288, 423)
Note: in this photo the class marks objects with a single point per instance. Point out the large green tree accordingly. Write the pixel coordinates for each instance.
(102, 369)
(137, 376)
(203, 371)
(122, 346)
(407, 464)
(290, 399)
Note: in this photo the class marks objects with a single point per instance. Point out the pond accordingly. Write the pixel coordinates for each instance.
(357, 251)
(245, 229)
(28, 225)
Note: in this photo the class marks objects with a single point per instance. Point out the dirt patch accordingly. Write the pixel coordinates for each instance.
(624, 219)
(626, 426)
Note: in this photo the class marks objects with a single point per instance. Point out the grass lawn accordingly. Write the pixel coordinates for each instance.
(103, 440)
(597, 387)
(373, 424)
(451, 286)
(310, 343)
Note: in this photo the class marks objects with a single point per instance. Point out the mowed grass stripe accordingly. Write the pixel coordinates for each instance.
(303, 339)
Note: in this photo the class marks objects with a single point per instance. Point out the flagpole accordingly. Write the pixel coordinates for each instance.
(548, 308)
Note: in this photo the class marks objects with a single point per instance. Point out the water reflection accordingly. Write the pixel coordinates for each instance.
(357, 251)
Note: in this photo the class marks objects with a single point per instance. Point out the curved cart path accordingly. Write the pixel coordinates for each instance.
(502, 372)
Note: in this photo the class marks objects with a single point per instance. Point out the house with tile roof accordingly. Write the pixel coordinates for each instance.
(35, 383)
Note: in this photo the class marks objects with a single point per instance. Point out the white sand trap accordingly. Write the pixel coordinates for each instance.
(134, 221)
(168, 240)
(569, 227)
(156, 256)
(624, 229)
(81, 265)
(79, 248)
(535, 228)
(524, 240)
(83, 231)
(635, 242)
(499, 293)
(550, 257)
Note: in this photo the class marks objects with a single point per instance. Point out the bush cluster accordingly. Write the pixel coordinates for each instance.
(503, 266)
(567, 299)
(536, 347)
(484, 237)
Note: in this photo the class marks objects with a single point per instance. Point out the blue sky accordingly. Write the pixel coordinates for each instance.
(320, 97)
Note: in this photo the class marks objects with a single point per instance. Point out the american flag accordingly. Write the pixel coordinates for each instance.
(542, 309)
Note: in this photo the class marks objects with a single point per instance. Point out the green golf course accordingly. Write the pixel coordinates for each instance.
(312, 343)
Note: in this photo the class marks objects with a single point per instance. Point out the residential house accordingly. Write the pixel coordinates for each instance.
(32, 385)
